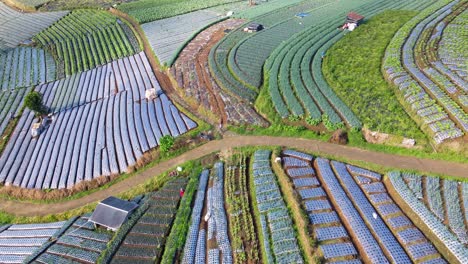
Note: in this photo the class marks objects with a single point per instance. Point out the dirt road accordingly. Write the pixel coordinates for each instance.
(313, 146)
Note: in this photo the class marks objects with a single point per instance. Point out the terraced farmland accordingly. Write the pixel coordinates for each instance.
(245, 243)
(147, 10)
(279, 241)
(427, 92)
(85, 39)
(20, 242)
(291, 57)
(452, 50)
(24, 67)
(16, 27)
(207, 238)
(145, 240)
(340, 199)
(82, 242)
(195, 81)
(168, 36)
(101, 125)
(300, 89)
(437, 202)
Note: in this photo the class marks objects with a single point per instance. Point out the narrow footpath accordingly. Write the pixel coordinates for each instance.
(312, 146)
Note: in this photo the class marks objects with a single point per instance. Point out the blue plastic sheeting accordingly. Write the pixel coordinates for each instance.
(300, 172)
(306, 182)
(329, 233)
(324, 218)
(388, 209)
(312, 193)
(295, 162)
(317, 205)
(360, 171)
(298, 154)
(376, 187)
(422, 250)
(379, 198)
(338, 250)
(410, 235)
(399, 222)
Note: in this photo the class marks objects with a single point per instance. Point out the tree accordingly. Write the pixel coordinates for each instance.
(33, 101)
(166, 143)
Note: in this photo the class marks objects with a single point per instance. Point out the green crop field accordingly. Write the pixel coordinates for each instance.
(85, 39)
(234, 131)
(150, 10)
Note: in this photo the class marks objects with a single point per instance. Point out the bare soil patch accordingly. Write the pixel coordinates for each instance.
(196, 84)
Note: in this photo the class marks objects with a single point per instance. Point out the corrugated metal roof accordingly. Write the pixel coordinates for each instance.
(354, 16)
(112, 212)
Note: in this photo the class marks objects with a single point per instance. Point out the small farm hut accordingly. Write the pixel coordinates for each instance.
(353, 20)
(253, 27)
(112, 213)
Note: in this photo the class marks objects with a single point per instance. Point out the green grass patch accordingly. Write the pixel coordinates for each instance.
(352, 67)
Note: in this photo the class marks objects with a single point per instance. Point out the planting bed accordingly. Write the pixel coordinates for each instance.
(245, 244)
(102, 124)
(196, 82)
(85, 39)
(18, 242)
(442, 205)
(146, 239)
(208, 238)
(279, 238)
(24, 67)
(452, 49)
(344, 202)
(168, 36)
(16, 27)
(426, 92)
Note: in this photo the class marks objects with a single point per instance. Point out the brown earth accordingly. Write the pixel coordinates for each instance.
(312, 146)
(194, 82)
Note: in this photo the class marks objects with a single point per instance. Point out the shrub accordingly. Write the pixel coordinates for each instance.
(33, 101)
(166, 143)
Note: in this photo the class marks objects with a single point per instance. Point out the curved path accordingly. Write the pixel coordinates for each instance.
(312, 146)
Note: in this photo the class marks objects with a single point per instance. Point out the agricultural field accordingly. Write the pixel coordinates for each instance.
(101, 119)
(292, 49)
(340, 199)
(245, 244)
(168, 36)
(216, 133)
(11, 101)
(149, 10)
(352, 217)
(82, 242)
(16, 27)
(78, 45)
(452, 50)
(236, 212)
(29, 4)
(19, 242)
(24, 67)
(358, 78)
(441, 204)
(426, 91)
(196, 82)
(276, 226)
(207, 238)
(145, 240)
